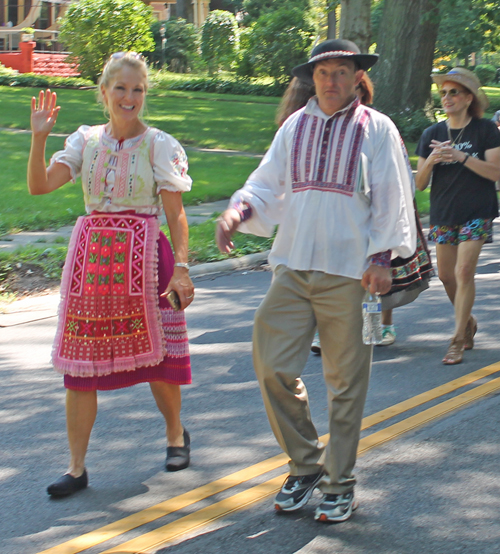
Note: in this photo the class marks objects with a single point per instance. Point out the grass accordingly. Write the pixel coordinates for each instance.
(215, 177)
(50, 261)
(202, 247)
(18, 209)
(195, 119)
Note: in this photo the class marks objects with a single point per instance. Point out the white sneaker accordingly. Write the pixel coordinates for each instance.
(336, 507)
(316, 345)
(388, 335)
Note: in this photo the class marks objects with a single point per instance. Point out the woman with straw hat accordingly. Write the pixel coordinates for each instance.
(461, 157)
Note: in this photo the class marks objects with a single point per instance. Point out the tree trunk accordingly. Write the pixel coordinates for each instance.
(418, 85)
(355, 22)
(332, 25)
(408, 32)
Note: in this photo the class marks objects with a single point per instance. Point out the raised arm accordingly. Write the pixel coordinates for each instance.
(43, 119)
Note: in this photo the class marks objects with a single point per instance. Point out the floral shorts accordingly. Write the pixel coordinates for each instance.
(475, 229)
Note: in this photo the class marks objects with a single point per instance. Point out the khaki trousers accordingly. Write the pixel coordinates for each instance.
(295, 304)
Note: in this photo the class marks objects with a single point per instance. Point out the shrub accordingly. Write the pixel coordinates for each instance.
(219, 40)
(279, 41)
(244, 63)
(161, 81)
(32, 80)
(181, 49)
(485, 73)
(253, 9)
(411, 125)
(7, 71)
(93, 29)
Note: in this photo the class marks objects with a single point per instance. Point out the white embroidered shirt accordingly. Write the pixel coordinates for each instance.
(125, 175)
(339, 187)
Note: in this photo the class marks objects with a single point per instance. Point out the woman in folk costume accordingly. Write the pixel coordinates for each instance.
(116, 326)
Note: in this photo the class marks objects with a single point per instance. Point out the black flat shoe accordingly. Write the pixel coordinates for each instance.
(67, 484)
(178, 456)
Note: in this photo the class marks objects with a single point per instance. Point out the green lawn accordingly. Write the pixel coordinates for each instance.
(215, 177)
(195, 119)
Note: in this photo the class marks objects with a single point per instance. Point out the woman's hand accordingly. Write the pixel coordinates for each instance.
(227, 224)
(43, 117)
(441, 152)
(446, 152)
(183, 286)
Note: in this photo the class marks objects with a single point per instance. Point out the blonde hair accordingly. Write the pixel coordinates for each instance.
(115, 63)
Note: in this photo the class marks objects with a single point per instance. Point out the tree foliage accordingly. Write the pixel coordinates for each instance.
(255, 8)
(93, 29)
(181, 48)
(468, 26)
(219, 40)
(280, 40)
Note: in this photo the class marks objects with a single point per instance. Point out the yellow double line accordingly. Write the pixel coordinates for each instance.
(151, 541)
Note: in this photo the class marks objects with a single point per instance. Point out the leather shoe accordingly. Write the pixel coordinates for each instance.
(178, 456)
(67, 484)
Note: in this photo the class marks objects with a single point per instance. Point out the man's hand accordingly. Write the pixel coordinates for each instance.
(227, 224)
(377, 279)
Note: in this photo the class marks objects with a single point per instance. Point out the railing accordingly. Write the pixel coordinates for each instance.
(11, 38)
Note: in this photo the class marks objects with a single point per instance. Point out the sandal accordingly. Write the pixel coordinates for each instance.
(470, 332)
(455, 352)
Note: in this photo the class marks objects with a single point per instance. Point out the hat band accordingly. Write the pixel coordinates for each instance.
(333, 54)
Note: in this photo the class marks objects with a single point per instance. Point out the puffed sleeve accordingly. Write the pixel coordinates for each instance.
(72, 155)
(170, 165)
(392, 214)
(264, 190)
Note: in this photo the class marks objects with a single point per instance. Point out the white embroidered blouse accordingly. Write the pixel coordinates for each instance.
(339, 187)
(124, 175)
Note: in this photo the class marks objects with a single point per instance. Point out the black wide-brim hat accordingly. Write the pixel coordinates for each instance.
(330, 49)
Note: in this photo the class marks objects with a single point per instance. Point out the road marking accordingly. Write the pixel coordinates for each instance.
(150, 542)
(98, 536)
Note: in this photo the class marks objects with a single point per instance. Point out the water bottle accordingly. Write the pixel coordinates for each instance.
(372, 318)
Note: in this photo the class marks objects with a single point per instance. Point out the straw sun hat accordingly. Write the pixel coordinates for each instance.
(467, 79)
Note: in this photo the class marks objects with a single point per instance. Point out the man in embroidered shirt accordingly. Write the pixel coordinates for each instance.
(337, 182)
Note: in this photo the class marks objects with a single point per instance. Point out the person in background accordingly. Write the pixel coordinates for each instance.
(344, 208)
(116, 327)
(461, 156)
(496, 118)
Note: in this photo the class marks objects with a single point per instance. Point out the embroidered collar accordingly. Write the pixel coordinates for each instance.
(312, 108)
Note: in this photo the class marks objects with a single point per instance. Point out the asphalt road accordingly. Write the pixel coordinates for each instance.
(435, 489)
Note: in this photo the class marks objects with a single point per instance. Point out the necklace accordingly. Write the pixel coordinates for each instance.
(458, 137)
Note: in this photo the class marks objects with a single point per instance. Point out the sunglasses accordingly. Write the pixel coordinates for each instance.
(452, 92)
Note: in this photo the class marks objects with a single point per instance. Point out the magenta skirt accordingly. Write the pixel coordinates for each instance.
(174, 369)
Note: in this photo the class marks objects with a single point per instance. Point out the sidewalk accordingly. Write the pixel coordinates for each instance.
(41, 307)
(44, 239)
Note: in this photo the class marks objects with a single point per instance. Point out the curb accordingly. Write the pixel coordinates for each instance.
(232, 264)
(31, 309)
